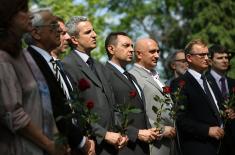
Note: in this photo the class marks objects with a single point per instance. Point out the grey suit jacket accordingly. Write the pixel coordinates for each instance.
(150, 89)
(100, 92)
(122, 87)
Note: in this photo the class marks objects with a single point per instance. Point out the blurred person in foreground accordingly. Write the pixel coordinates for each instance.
(26, 125)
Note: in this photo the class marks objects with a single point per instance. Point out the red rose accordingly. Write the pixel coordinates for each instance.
(83, 84)
(89, 104)
(132, 93)
(181, 83)
(166, 89)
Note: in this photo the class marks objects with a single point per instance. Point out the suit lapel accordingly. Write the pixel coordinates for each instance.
(148, 78)
(85, 69)
(125, 80)
(197, 88)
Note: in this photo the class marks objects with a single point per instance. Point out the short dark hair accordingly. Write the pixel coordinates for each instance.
(111, 40)
(189, 46)
(217, 49)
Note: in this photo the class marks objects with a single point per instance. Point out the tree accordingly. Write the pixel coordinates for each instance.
(172, 23)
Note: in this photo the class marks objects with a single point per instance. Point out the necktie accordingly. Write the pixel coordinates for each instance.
(131, 79)
(90, 62)
(59, 77)
(207, 90)
(223, 87)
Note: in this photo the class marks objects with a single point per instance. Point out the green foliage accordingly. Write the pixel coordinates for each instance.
(172, 23)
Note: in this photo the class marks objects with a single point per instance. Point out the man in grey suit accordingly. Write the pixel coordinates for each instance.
(119, 48)
(79, 64)
(147, 54)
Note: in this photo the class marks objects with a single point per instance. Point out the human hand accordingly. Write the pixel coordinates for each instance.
(147, 135)
(122, 142)
(169, 132)
(230, 113)
(216, 132)
(113, 138)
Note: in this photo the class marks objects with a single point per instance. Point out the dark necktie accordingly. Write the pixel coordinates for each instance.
(90, 62)
(131, 79)
(223, 87)
(209, 95)
(60, 77)
(207, 90)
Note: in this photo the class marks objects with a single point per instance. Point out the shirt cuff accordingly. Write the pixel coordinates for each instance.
(83, 142)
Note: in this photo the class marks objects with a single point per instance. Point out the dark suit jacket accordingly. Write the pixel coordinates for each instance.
(58, 101)
(100, 92)
(194, 120)
(121, 87)
(229, 138)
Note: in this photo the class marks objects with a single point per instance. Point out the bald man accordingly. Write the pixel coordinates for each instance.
(147, 55)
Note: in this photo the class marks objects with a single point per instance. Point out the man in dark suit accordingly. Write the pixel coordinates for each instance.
(119, 48)
(222, 87)
(199, 123)
(79, 64)
(45, 37)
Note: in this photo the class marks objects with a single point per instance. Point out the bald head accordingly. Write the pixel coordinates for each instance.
(147, 53)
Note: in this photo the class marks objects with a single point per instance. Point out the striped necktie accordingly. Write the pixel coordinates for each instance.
(59, 77)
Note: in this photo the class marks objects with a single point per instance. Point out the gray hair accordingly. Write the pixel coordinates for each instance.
(37, 16)
(36, 21)
(72, 24)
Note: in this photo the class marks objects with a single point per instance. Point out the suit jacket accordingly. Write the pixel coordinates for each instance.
(122, 87)
(100, 92)
(229, 138)
(194, 120)
(151, 89)
(58, 100)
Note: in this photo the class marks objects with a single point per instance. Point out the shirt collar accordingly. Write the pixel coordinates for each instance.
(119, 68)
(215, 74)
(153, 72)
(83, 55)
(42, 52)
(195, 74)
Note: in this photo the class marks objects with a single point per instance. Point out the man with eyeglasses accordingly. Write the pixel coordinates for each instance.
(54, 85)
(177, 64)
(222, 86)
(147, 54)
(199, 124)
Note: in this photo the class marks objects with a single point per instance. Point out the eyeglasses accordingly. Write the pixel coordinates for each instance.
(181, 60)
(54, 26)
(201, 55)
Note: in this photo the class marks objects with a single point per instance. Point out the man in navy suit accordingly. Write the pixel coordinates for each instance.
(199, 124)
(222, 87)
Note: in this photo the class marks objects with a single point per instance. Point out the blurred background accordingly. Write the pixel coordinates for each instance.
(173, 23)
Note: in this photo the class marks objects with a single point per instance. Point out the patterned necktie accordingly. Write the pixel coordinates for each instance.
(60, 77)
(223, 87)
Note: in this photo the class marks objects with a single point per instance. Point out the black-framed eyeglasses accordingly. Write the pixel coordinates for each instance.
(53, 26)
(201, 55)
(181, 60)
